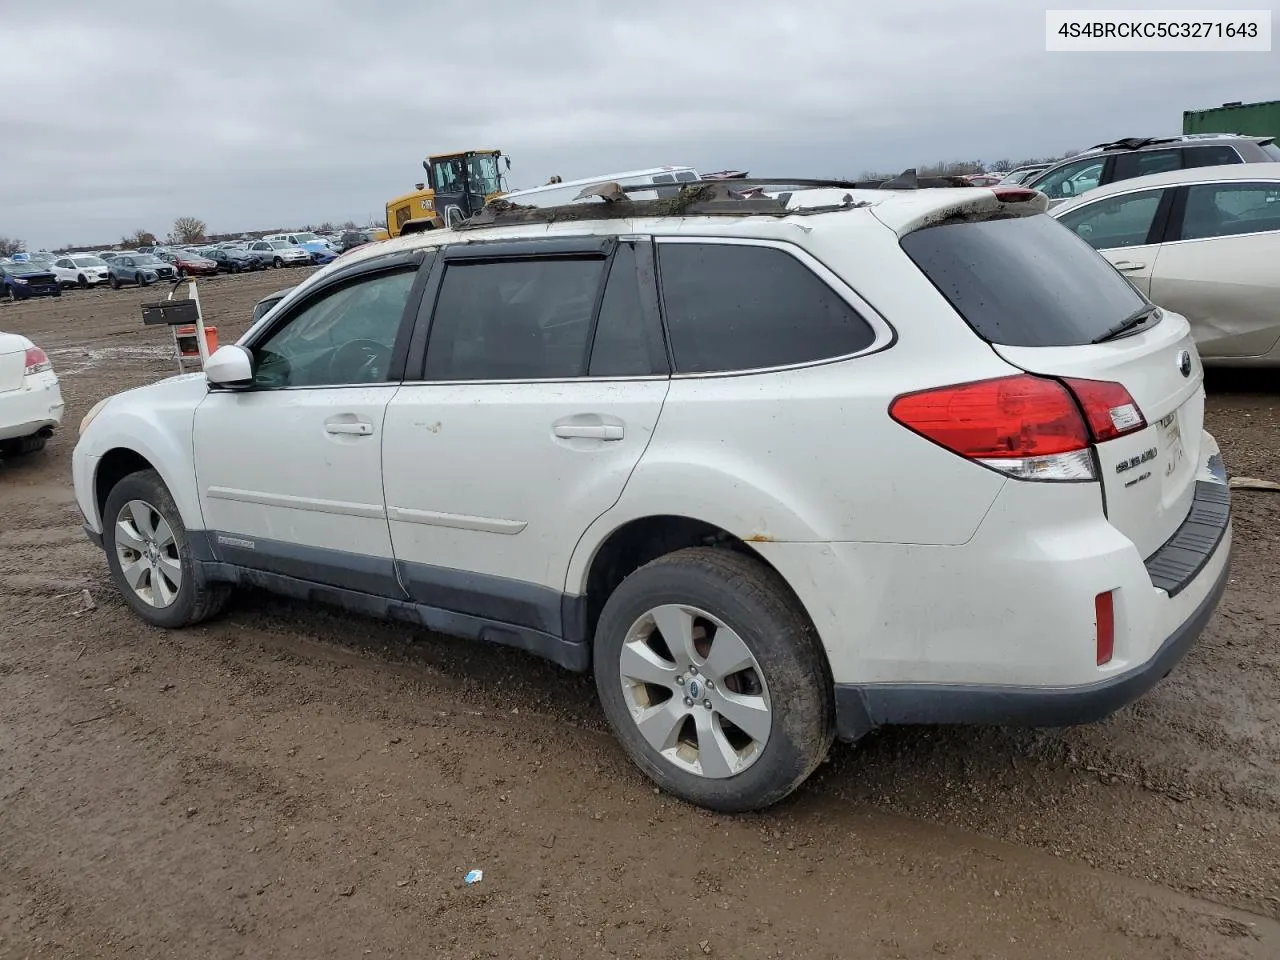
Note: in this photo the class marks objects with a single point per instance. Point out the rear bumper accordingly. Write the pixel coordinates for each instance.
(860, 709)
(34, 407)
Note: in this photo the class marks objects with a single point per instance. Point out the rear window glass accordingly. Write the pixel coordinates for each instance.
(1023, 281)
(1272, 150)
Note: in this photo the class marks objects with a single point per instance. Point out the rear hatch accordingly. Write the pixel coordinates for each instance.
(13, 361)
(1050, 305)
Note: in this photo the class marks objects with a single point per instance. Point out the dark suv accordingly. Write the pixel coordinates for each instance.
(1137, 157)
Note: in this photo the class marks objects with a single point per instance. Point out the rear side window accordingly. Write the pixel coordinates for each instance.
(1023, 281)
(514, 320)
(1209, 156)
(1130, 165)
(1230, 209)
(1272, 150)
(737, 307)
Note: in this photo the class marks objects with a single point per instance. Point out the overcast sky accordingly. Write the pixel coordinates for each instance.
(257, 113)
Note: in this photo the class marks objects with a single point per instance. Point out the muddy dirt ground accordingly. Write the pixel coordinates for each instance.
(291, 781)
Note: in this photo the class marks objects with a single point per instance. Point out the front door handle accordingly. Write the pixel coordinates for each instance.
(1128, 266)
(589, 431)
(350, 428)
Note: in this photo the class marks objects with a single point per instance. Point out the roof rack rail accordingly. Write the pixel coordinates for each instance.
(744, 196)
(1133, 143)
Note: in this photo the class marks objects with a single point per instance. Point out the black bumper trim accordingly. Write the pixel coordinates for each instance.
(861, 708)
(1184, 554)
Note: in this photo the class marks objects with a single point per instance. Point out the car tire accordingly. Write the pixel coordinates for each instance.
(20, 446)
(115, 282)
(784, 692)
(277, 263)
(82, 282)
(139, 510)
(182, 273)
(57, 291)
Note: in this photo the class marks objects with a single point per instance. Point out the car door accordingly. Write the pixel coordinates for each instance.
(64, 270)
(289, 469)
(1219, 267)
(543, 379)
(1125, 228)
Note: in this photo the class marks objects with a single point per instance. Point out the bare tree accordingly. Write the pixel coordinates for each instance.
(139, 238)
(325, 227)
(349, 225)
(188, 229)
(9, 246)
(1002, 166)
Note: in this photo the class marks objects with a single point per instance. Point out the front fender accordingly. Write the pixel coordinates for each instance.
(156, 423)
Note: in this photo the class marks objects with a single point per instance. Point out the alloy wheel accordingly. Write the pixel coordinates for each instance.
(148, 553)
(695, 691)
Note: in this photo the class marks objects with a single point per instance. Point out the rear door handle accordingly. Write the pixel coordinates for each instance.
(354, 428)
(589, 431)
(1128, 266)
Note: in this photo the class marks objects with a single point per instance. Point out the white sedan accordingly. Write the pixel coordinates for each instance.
(30, 398)
(1203, 242)
(80, 270)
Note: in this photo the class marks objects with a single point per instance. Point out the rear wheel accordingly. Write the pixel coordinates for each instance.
(115, 282)
(713, 679)
(149, 555)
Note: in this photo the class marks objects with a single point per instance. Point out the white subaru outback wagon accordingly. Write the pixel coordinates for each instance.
(781, 464)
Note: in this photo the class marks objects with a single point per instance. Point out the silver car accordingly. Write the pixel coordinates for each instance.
(1204, 243)
(281, 252)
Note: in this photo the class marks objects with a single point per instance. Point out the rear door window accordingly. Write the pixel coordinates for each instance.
(1023, 281)
(745, 307)
(1230, 209)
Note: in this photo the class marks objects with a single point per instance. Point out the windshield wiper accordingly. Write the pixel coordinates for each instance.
(1135, 319)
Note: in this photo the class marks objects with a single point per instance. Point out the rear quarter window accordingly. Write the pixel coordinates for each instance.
(1023, 281)
(741, 307)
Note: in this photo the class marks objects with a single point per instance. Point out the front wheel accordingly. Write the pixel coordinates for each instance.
(149, 555)
(82, 282)
(139, 279)
(714, 680)
(277, 263)
(182, 273)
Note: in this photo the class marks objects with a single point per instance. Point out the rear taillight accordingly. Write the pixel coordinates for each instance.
(1023, 426)
(37, 362)
(1108, 407)
(1013, 194)
(1104, 612)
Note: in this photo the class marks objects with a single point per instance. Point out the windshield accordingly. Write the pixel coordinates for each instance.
(279, 245)
(89, 262)
(146, 259)
(19, 267)
(305, 237)
(1023, 281)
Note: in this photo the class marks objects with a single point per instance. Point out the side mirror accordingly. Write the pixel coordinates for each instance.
(230, 366)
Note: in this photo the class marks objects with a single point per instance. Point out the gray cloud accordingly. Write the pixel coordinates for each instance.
(251, 114)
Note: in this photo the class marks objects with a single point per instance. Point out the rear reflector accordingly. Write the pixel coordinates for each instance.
(1105, 615)
(1108, 407)
(37, 362)
(1022, 426)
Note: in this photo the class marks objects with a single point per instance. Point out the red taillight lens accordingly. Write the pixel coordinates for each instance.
(1013, 194)
(1022, 416)
(37, 362)
(1108, 407)
(1104, 613)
